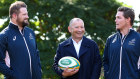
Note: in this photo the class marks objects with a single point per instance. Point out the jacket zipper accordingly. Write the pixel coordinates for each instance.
(122, 41)
(28, 52)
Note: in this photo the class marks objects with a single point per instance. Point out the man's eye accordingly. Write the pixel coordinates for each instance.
(118, 17)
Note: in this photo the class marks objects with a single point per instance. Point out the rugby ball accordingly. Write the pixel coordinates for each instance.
(70, 62)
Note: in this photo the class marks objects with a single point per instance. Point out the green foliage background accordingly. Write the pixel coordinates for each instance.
(50, 19)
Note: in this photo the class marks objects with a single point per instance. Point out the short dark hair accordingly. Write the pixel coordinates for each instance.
(14, 7)
(127, 12)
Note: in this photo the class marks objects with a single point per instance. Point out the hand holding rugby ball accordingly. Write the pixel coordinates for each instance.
(70, 62)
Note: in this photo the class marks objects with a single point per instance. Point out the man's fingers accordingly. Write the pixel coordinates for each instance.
(66, 70)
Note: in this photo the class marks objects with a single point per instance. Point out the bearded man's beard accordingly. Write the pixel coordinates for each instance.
(23, 23)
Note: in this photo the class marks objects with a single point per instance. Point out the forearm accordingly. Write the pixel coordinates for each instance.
(4, 69)
(57, 69)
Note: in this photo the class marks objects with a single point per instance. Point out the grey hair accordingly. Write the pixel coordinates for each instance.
(74, 20)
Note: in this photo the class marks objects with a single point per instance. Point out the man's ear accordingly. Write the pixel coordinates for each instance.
(128, 20)
(14, 16)
(69, 29)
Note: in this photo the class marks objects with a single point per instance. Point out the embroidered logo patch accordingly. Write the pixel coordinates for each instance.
(14, 38)
(132, 42)
(114, 39)
(139, 63)
(30, 36)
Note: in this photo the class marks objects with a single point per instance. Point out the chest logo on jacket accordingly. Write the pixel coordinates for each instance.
(114, 39)
(30, 36)
(14, 38)
(139, 63)
(132, 42)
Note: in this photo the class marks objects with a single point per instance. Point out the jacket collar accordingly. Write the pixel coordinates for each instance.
(70, 42)
(130, 30)
(83, 48)
(14, 26)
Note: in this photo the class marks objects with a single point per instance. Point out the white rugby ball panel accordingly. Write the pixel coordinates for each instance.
(77, 62)
(67, 62)
(70, 62)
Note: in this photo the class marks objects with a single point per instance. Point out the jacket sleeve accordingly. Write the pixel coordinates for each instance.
(97, 63)
(56, 59)
(38, 58)
(39, 64)
(106, 59)
(37, 52)
(4, 69)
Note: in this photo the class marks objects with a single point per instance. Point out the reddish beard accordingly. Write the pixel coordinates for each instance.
(23, 23)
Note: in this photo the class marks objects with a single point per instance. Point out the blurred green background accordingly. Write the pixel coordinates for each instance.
(50, 19)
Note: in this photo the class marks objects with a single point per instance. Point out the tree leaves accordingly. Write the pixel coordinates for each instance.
(50, 20)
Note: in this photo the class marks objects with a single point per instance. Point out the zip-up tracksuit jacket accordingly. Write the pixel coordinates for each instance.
(121, 58)
(23, 53)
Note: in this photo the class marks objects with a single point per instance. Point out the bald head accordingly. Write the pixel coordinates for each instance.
(75, 20)
(77, 29)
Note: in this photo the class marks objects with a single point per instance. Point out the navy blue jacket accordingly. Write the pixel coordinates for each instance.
(89, 58)
(122, 56)
(23, 53)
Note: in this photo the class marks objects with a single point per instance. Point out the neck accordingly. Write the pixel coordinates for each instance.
(76, 39)
(125, 31)
(19, 26)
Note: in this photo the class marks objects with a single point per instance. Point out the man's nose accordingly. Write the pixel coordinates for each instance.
(27, 16)
(79, 29)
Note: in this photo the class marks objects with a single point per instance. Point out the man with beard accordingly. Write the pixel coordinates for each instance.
(18, 42)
